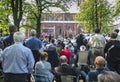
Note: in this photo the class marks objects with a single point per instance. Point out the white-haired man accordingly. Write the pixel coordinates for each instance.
(17, 60)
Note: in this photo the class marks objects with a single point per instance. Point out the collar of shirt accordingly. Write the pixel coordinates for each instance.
(19, 43)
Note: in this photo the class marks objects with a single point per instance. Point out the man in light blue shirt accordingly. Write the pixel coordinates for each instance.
(17, 60)
(34, 44)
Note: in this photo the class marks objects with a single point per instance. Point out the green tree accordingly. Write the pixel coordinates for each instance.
(94, 14)
(14, 7)
(117, 9)
(4, 14)
(17, 11)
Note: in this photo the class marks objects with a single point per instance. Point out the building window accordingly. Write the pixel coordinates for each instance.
(68, 19)
(59, 19)
(50, 18)
(59, 30)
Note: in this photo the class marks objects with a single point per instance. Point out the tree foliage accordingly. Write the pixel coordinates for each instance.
(94, 14)
(5, 10)
(17, 11)
(117, 9)
(11, 7)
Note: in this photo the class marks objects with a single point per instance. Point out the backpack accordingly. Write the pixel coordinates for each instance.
(114, 48)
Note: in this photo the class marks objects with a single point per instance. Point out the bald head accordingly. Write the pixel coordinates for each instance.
(100, 61)
(63, 59)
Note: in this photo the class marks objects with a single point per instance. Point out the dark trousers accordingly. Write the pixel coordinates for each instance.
(36, 55)
(10, 77)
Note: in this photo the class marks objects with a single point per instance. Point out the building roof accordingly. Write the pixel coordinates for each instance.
(73, 7)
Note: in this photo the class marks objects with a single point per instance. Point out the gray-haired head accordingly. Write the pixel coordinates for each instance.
(109, 76)
(18, 37)
(33, 32)
(63, 59)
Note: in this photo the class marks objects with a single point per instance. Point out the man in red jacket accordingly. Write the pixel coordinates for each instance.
(66, 52)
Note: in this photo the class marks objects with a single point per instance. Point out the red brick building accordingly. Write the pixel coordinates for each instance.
(60, 24)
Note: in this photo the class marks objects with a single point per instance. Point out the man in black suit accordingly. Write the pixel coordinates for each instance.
(112, 50)
(65, 69)
(53, 57)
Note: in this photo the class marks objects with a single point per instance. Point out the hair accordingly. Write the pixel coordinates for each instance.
(66, 47)
(108, 76)
(18, 37)
(100, 61)
(116, 30)
(52, 40)
(12, 29)
(44, 55)
(33, 32)
(97, 30)
(63, 59)
(113, 35)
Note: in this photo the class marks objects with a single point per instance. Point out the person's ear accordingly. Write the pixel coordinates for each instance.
(95, 62)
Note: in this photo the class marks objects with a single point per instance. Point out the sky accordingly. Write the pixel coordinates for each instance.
(112, 1)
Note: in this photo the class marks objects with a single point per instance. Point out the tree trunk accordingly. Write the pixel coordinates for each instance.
(96, 14)
(38, 28)
(17, 12)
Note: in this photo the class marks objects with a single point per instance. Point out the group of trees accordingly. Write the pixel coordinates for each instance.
(93, 13)
(97, 14)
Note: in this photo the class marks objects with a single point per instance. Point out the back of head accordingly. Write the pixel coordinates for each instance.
(33, 32)
(44, 55)
(18, 37)
(66, 47)
(97, 30)
(116, 30)
(100, 61)
(109, 76)
(63, 59)
(113, 35)
(52, 41)
(12, 29)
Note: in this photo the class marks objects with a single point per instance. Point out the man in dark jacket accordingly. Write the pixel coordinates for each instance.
(53, 57)
(112, 50)
(65, 69)
(9, 39)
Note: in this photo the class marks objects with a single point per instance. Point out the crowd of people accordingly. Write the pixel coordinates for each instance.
(23, 58)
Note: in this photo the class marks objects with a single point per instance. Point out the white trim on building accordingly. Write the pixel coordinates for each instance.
(59, 22)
